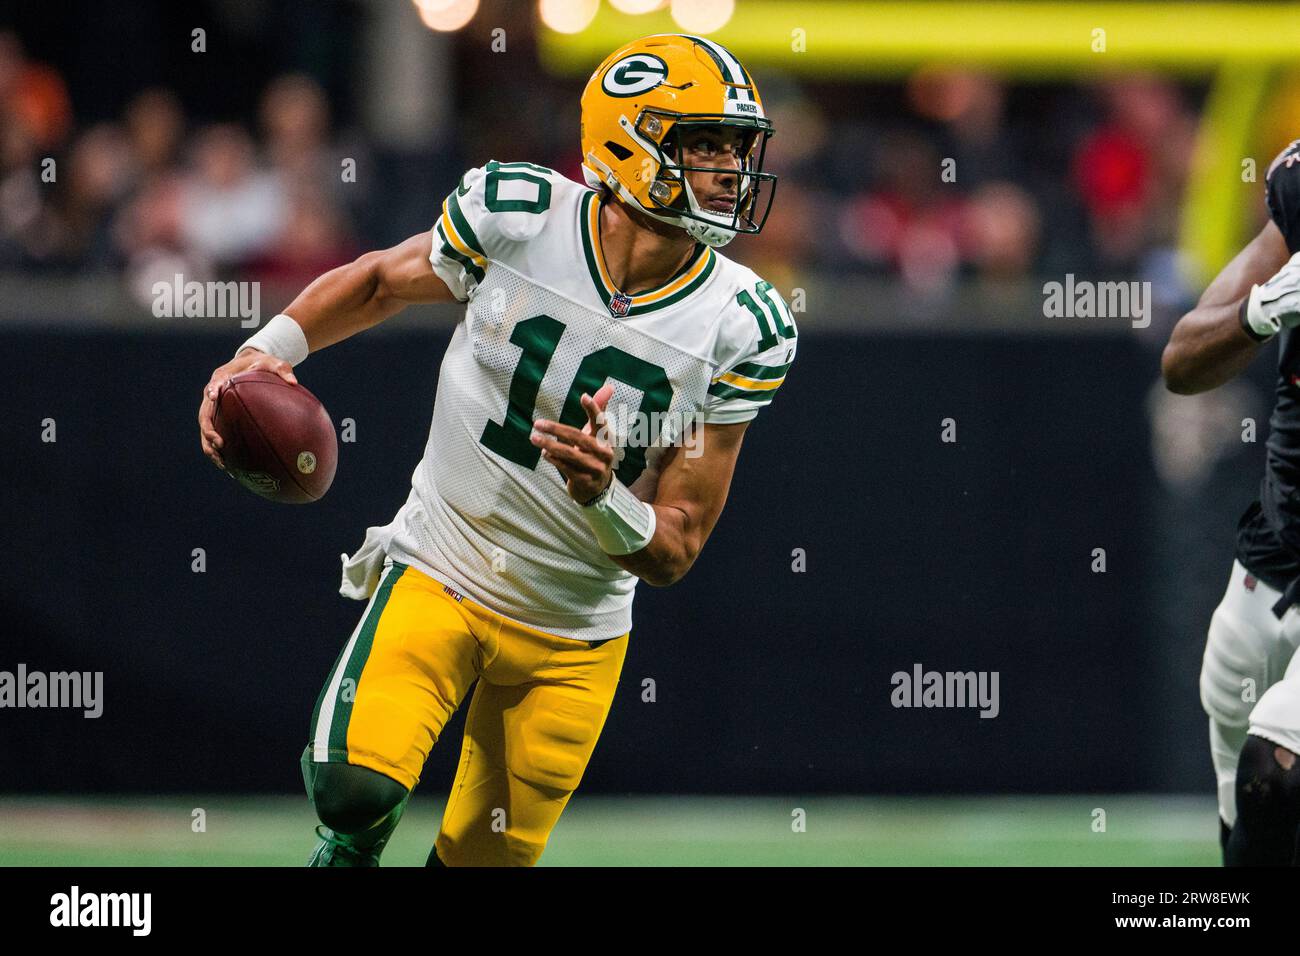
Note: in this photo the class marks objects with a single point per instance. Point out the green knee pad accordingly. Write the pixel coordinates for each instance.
(356, 802)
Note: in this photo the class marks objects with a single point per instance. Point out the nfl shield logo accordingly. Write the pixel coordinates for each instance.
(620, 304)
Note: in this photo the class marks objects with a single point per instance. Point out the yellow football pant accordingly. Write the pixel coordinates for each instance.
(536, 713)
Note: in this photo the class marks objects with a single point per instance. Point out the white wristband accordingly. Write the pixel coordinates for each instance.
(623, 523)
(281, 337)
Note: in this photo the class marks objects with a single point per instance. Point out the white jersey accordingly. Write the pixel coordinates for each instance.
(487, 516)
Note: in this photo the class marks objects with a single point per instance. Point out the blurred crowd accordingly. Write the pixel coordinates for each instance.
(954, 174)
(944, 175)
(153, 193)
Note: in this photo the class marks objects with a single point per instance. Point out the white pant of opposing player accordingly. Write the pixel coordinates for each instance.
(1249, 652)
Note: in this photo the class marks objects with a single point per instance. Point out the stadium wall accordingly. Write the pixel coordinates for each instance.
(973, 555)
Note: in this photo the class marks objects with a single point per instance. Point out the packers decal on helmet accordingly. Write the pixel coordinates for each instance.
(635, 73)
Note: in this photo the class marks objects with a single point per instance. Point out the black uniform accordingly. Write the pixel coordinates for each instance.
(1268, 535)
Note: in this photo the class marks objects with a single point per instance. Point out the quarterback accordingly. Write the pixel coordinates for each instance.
(589, 413)
(1250, 673)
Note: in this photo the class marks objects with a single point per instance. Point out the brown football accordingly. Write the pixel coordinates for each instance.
(277, 439)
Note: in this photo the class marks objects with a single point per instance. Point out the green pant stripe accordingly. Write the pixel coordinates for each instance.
(356, 662)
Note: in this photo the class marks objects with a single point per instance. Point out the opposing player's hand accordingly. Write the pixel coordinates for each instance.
(1275, 305)
(582, 456)
(245, 361)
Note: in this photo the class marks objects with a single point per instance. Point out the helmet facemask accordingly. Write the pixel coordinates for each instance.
(660, 132)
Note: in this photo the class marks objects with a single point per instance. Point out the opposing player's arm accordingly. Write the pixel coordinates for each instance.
(1209, 345)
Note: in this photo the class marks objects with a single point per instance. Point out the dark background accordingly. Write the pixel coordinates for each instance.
(967, 556)
(924, 303)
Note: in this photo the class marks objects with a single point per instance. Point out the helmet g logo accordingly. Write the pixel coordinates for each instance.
(634, 74)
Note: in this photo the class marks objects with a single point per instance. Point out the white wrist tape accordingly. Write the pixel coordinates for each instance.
(623, 522)
(281, 337)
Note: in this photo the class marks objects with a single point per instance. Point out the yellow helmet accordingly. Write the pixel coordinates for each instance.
(636, 103)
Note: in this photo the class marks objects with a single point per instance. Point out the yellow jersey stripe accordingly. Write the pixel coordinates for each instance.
(750, 384)
(593, 224)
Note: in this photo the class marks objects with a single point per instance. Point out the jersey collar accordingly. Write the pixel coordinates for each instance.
(689, 278)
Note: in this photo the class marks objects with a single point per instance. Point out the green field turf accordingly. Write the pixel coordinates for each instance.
(689, 831)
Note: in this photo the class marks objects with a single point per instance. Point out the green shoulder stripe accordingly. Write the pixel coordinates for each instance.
(450, 252)
(762, 372)
(493, 166)
(723, 390)
(462, 225)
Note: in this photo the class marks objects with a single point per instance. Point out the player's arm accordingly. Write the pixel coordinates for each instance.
(1211, 344)
(687, 504)
(340, 303)
(660, 540)
(361, 294)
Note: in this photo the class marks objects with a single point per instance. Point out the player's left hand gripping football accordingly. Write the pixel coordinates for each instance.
(247, 360)
(582, 456)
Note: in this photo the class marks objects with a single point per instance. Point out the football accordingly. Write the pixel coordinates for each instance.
(277, 439)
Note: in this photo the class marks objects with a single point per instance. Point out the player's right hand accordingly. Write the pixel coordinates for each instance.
(246, 361)
(1275, 305)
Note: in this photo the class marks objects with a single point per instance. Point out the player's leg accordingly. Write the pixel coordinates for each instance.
(527, 744)
(1245, 651)
(1268, 780)
(358, 809)
(400, 677)
(1225, 752)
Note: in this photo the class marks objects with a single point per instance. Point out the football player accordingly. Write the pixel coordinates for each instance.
(589, 412)
(1250, 649)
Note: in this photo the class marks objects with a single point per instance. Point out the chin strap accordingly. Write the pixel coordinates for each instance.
(711, 234)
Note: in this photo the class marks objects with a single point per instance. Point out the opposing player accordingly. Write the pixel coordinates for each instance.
(589, 413)
(1250, 650)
